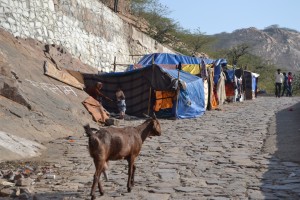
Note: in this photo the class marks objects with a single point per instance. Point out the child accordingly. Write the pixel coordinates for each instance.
(121, 102)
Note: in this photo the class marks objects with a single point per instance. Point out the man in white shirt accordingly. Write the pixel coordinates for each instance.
(278, 82)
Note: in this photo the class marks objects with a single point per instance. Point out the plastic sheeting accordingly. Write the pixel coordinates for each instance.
(191, 101)
(169, 61)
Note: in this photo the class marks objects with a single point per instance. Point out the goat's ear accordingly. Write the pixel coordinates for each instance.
(145, 115)
(86, 127)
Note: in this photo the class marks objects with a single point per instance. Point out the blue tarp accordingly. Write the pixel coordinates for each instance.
(171, 59)
(253, 82)
(191, 101)
(175, 59)
(230, 73)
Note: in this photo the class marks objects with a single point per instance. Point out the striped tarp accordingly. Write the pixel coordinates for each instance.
(137, 85)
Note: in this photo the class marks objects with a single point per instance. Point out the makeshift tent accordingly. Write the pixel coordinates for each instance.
(251, 80)
(139, 87)
(249, 83)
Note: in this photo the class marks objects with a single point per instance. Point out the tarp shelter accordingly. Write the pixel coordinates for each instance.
(249, 83)
(139, 87)
(191, 65)
(170, 61)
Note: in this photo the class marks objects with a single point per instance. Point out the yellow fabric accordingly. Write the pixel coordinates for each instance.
(164, 99)
(192, 68)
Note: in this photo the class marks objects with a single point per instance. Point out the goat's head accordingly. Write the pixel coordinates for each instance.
(153, 124)
(156, 127)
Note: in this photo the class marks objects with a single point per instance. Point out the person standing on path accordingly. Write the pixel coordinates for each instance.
(278, 82)
(285, 85)
(121, 102)
(289, 82)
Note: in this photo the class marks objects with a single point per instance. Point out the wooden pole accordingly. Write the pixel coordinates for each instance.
(177, 94)
(115, 66)
(150, 89)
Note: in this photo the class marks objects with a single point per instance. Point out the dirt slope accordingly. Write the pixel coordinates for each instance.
(34, 106)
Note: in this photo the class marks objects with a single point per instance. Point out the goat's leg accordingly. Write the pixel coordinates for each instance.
(133, 172)
(130, 170)
(99, 183)
(105, 175)
(105, 167)
(95, 180)
(99, 169)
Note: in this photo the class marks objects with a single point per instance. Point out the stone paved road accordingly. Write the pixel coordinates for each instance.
(217, 156)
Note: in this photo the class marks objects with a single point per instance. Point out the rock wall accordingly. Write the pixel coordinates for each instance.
(88, 29)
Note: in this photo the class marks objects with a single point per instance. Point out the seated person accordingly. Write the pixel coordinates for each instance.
(94, 91)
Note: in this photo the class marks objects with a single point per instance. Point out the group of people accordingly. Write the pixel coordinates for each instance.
(95, 92)
(283, 80)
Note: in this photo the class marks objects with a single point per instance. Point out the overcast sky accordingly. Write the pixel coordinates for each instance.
(216, 16)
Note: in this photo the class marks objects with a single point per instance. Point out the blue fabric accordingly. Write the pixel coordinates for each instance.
(253, 83)
(230, 73)
(171, 59)
(191, 101)
(217, 73)
(218, 64)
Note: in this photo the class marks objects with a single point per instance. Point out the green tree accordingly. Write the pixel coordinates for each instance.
(195, 41)
(159, 27)
(235, 53)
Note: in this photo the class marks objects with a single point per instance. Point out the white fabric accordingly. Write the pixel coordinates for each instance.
(221, 92)
(205, 83)
(279, 77)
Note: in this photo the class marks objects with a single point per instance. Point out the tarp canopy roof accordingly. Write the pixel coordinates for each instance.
(170, 61)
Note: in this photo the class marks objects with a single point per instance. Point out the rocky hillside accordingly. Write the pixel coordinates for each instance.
(278, 46)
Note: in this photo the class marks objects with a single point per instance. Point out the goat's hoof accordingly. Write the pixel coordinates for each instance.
(93, 197)
(128, 189)
(101, 193)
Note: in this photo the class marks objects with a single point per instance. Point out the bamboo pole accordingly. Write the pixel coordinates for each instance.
(150, 89)
(115, 58)
(177, 93)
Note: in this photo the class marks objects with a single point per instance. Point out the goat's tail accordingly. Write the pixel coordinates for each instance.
(88, 130)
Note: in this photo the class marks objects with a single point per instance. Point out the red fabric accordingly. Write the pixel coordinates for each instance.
(229, 87)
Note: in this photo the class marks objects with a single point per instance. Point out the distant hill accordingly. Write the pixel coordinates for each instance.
(279, 46)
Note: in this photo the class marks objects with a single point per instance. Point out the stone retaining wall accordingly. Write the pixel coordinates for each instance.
(89, 30)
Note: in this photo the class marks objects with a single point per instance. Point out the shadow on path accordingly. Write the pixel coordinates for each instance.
(282, 178)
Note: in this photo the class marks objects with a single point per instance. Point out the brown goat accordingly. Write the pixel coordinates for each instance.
(118, 143)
